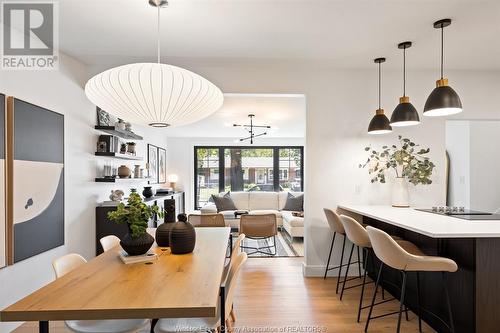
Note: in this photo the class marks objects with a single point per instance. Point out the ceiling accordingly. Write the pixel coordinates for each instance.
(286, 112)
(342, 33)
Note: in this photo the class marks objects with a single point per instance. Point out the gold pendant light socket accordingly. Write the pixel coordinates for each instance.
(379, 111)
(404, 99)
(442, 82)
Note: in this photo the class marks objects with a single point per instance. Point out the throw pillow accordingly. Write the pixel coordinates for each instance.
(224, 203)
(293, 203)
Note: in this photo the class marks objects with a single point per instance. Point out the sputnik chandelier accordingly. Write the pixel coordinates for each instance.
(250, 128)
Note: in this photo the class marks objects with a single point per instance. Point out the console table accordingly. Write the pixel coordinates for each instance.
(474, 245)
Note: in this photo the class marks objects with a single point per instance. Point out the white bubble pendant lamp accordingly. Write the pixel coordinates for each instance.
(154, 94)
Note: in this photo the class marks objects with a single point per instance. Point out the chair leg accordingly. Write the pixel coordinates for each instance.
(418, 304)
(153, 324)
(346, 272)
(402, 301)
(330, 254)
(229, 325)
(340, 266)
(233, 315)
(406, 308)
(365, 258)
(359, 264)
(374, 296)
(448, 302)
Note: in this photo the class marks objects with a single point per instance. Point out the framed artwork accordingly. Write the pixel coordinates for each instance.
(153, 163)
(35, 173)
(3, 225)
(162, 165)
(103, 118)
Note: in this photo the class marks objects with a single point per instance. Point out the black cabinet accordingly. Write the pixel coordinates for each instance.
(104, 227)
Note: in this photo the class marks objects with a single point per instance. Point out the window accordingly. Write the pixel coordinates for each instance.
(222, 169)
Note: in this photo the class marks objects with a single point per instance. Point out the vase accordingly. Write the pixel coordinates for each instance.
(137, 246)
(147, 192)
(131, 148)
(400, 196)
(182, 236)
(163, 234)
(123, 171)
(137, 171)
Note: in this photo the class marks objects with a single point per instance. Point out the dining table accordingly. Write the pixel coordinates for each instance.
(171, 286)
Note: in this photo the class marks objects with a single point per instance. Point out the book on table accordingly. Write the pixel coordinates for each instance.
(128, 259)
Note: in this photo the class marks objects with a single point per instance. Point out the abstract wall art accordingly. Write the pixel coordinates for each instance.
(162, 165)
(35, 181)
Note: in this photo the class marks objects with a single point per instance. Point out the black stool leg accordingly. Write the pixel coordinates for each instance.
(346, 272)
(406, 308)
(374, 296)
(418, 304)
(447, 295)
(330, 255)
(340, 265)
(402, 301)
(359, 264)
(365, 258)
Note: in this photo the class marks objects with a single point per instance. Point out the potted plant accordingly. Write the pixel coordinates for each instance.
(409, 163)
(136, 215)
(131, 148)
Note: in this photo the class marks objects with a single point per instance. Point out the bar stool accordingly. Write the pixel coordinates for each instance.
(407, 258)
(336, 226)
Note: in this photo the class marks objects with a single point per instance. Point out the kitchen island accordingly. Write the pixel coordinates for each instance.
(474, 245)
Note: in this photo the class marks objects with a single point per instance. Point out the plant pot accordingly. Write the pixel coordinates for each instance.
(147, 192)
(137, 246)
(123, 171)
(131, 148)
(400, 196)
(182, 236)
(163, 234)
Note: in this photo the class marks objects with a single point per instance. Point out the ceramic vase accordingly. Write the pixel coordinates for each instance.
(123, 171)
(400, 196)
(182, 236)
(137, 246)
(163, 234)
(147, 192)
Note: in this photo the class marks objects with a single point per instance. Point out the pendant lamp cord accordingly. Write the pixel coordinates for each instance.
(158, 36)
(379, 84)
(442, 51)
(404, 71)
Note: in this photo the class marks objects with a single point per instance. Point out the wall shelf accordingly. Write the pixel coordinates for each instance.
(118, 155)
(124, 134)
(121, 180)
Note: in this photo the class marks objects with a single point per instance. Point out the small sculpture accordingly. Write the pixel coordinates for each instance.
(116, 195)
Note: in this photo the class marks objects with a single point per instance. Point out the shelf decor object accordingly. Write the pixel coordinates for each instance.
(136, 216)
(182, 236)
(379, 123)
(163, 233)
(118, 155)
(405, 113)
(154, 94)
(443, 100)
(113, 130)
(250, 129)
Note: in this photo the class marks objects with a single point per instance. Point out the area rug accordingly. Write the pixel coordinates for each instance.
(284, 248)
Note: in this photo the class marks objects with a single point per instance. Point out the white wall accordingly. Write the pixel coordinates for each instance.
(62, 91)
(180, 158)
(458, 147)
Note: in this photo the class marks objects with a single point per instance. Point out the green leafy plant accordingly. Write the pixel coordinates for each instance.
(407, 160)
(136, 214)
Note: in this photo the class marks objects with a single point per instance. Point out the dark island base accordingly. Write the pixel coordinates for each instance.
(474, 288)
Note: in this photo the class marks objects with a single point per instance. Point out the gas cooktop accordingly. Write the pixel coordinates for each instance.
(462, 213)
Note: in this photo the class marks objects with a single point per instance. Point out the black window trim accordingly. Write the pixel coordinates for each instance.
(276, 160)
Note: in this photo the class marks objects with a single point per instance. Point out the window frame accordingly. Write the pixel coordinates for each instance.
(222, 166)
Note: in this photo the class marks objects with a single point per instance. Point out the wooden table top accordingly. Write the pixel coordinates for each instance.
(105, 288)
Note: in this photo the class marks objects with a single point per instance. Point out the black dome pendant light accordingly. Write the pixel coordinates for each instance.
(405, 113)
(443, 100)
(379, 123)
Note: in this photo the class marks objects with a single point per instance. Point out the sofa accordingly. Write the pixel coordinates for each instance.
(256, 203)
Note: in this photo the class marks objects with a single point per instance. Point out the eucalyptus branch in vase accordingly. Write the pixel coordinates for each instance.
(408, 161)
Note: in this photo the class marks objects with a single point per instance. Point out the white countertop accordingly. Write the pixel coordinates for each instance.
(429, 224)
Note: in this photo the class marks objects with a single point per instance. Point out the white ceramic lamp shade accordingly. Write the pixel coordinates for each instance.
(154, 94)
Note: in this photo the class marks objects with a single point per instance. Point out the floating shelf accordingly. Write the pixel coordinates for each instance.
(120, 180)
(118, 155)
(124, 134)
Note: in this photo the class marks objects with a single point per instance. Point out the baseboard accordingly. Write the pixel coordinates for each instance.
(319, 271)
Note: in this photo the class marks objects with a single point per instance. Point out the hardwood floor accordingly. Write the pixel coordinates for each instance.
(273, 296)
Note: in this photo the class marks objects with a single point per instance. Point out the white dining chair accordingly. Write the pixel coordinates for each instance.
(109, 242)
(208, 323)
(66, 264)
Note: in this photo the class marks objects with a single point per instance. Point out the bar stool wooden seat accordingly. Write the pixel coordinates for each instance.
(336, 226)
(406, 257)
